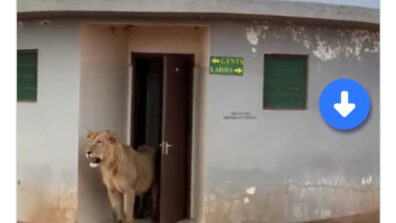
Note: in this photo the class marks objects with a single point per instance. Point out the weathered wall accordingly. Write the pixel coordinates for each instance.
(284, 165)
(47, 139)
(288, 165)
(103, 105)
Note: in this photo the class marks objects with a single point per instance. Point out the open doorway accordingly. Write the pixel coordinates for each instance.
(162, 118)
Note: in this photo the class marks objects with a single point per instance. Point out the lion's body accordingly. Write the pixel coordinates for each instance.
(129, 169)
(126, 172)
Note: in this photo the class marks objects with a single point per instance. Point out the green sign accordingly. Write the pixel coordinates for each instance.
(226, 65)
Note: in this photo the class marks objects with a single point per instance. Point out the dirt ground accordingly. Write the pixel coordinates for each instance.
(372, 217)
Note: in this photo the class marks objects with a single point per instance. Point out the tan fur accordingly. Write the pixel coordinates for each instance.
(125, 171)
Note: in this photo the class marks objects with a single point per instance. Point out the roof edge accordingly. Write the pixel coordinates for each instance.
(299, 10)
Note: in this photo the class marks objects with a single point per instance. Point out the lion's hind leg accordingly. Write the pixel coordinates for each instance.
(140, 202)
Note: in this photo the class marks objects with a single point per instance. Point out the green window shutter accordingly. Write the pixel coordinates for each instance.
(27, 75)
(285, 81)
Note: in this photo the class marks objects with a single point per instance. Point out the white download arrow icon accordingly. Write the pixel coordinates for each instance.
(344, 108)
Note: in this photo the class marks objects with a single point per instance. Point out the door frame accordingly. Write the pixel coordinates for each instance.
(192, 134)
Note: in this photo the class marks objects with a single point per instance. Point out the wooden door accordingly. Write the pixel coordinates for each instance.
(176, 140)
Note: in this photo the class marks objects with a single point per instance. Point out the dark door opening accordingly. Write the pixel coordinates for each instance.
(161, 117)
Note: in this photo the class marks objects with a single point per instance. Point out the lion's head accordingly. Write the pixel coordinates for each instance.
(99, 147)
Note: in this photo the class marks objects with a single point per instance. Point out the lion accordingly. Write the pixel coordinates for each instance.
(126, 172)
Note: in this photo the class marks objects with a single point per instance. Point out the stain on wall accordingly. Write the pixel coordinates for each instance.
(290, 202)
(57, 206)
(345, 42)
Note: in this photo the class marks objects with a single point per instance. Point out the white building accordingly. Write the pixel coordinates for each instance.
(239, 155)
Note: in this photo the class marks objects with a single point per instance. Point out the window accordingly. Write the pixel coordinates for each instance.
(285, 81)
(27, 75)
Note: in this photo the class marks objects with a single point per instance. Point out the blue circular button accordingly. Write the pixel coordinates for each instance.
(344, 104)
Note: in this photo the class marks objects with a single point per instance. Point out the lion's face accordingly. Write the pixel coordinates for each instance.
(99, 146)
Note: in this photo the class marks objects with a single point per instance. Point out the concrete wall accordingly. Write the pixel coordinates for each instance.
(47, 139)
(169, 39)
(103, 105)
(288, 165)
(281, 166)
